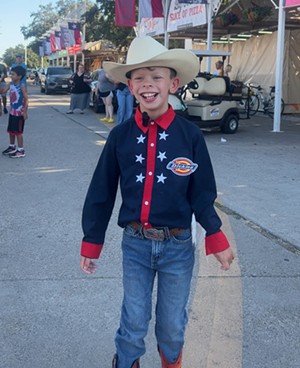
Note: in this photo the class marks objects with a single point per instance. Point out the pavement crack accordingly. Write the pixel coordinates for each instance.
(293, 248)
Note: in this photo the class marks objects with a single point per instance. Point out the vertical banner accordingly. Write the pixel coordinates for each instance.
(65, 42)
(125, 13)
(74, 33)
(41, 48)
(52, 42)
(150, 9)
(290, 3)
(58, 40)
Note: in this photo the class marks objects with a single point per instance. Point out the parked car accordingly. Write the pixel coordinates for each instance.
(56, 79)
(96, 102)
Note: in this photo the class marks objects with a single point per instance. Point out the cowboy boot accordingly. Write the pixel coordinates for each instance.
(166, 364)
(136, 364)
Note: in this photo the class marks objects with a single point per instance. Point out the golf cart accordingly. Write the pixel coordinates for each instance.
(209, 101)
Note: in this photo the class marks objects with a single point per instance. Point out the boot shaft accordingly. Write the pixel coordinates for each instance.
(166, 364)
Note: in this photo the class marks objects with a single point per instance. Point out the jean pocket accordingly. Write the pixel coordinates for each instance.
(132, 232)
(184, 236)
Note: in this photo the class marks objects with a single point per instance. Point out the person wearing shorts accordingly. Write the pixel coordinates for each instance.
(105, 88)
(18, 112)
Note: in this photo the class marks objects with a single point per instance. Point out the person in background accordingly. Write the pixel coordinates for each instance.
(18, 112)
(227, 70)
(219, 69)
(3, 95)
(161, 162)
(106, 86)
(81, 89)
(20, 62)
(125, 102)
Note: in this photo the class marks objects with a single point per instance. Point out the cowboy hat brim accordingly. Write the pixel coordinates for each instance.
(184, 62)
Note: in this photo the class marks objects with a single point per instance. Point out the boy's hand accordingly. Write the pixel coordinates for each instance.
(87, 265)
(225, 258)
(25, 115)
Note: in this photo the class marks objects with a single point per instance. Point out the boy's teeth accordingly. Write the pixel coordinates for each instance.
(149, 95)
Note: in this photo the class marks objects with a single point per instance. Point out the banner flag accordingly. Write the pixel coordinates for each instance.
(41, 48)
(58, 40)
(52, 42)
(65, 42)
(125, 13)
(150, 9)
(74, 33)
(290, 3)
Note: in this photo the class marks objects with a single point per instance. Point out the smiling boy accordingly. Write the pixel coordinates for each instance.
(166, 176)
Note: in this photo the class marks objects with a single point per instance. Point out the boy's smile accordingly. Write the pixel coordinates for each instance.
(151, 87)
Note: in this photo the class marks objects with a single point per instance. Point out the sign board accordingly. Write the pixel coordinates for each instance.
(180, 16)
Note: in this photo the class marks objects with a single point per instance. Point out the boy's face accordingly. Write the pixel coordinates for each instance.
(151, 88)
(15, 77)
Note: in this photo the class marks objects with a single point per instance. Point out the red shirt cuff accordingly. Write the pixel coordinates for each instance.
(91, 250)
(216, 243)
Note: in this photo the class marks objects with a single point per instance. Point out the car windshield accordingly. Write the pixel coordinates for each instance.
(59, 71)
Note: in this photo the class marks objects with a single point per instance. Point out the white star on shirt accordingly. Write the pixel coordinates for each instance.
(140, 178)
(140, 139)
(162, 156)
(139, 158)
(161, 178)
(163, 136)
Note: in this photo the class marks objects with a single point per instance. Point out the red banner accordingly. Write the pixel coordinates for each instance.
(289, 3)
(125, 13)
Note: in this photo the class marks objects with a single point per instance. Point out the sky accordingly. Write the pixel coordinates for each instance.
(10, 34)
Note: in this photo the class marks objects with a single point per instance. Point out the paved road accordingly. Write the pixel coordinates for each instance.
(51, 315)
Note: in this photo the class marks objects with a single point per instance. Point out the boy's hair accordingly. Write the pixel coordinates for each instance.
(19, 70)
(173, 72)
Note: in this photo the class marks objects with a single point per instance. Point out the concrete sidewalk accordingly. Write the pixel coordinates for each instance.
(52, 315)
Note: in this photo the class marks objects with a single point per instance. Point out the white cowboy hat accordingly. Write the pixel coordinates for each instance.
(146, 52)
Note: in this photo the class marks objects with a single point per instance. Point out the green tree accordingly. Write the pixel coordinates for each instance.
(9, 56)
(100, 24)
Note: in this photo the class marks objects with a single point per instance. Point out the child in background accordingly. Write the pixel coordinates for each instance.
(18, 112)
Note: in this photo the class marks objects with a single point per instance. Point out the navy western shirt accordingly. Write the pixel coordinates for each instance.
(165, 176)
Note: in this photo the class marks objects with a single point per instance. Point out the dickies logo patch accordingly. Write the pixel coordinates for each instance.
(182, 166)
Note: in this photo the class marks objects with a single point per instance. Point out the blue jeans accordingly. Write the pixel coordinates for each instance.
(125, 105)
(173, 261)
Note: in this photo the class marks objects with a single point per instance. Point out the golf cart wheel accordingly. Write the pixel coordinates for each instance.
(230, 124)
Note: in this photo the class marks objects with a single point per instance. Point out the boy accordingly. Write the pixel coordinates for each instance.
(18, 112)
(165, 176)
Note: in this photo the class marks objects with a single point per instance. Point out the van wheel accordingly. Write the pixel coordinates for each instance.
(230, 124)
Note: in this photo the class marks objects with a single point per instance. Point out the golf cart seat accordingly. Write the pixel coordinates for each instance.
(213, 87)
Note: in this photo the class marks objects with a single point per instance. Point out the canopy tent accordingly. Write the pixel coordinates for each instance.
(276, 19)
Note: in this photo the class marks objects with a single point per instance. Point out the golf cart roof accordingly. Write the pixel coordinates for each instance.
(210, 53)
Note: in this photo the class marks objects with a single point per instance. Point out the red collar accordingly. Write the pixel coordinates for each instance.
(163, 121)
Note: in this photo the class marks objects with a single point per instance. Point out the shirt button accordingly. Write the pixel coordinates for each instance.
(146, 203)
(152, 123)
(152, 144)
(146, 223)
(150, 173)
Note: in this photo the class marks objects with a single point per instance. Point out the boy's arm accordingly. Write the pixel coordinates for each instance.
(25, 104)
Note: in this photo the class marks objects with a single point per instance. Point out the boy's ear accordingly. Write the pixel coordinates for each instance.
(174, 85)
(129, 86)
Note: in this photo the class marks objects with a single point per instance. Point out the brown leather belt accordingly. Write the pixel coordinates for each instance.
(156, 233)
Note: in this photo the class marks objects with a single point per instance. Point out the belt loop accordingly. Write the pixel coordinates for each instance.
(167, 233)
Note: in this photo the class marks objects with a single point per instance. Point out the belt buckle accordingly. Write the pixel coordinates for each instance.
(154, 234)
